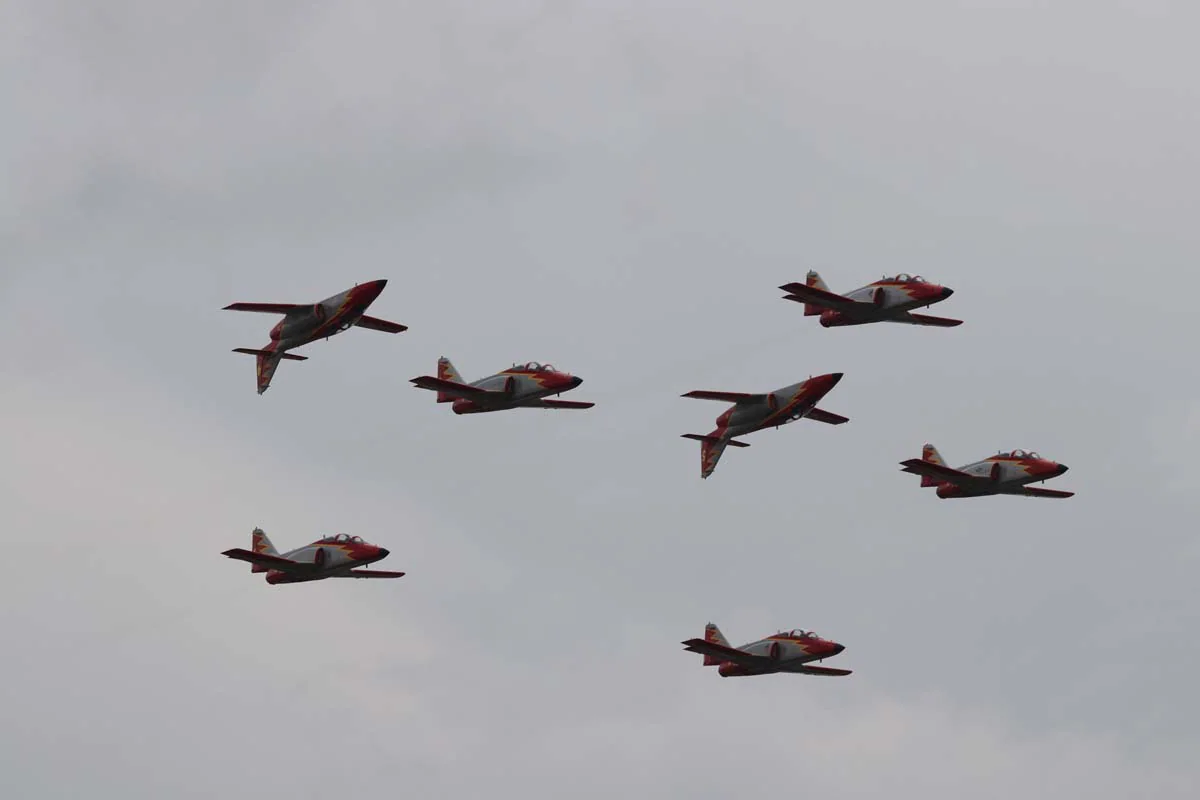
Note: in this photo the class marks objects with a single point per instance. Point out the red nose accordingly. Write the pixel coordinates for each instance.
(367, 292)
(824, 383)
(930, 291)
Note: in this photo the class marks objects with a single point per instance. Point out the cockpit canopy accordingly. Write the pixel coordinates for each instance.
(1022, 454)
(342, 538)
(534, 366)
(904, 277)
(799, 633)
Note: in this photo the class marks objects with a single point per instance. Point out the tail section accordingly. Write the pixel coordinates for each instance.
(814, 280)
(713, 634)
(930, 453)
(259, 543)
(447, 372)
(267, 362)
(711, 448)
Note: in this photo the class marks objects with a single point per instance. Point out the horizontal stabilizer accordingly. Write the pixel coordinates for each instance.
(447, 387)
(827, 417)
(565, 404)
(917, 466)
(937, 322)
(1030, 491)
(368, 573)
(263, 308)
(265, 560)
(269, 354)
(806, 669)
(727, 397)
(723, 652)
(713, 439)
(800, 293)
(383, 325)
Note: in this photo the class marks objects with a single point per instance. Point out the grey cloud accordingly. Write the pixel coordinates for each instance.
(616, 188)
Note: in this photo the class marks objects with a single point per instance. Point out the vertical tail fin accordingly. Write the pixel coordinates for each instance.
(713, 634)
(814, 280)
(930, 453)
(447, 372)
(259, 543)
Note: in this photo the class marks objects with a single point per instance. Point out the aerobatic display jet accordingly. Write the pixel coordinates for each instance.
(1004, 473)
(754, 412)
(887, 300)
(305, 323)
(520, 386)
(331, 557)
(784, 652)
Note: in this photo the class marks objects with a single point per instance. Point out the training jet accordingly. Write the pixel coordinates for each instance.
(754, 412)
(525, 386)
(330, 557)
(1003, 473)
(302, 324)
(783, 652)
(887, 300)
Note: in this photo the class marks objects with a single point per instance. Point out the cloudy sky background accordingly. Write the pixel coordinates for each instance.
(617, 188)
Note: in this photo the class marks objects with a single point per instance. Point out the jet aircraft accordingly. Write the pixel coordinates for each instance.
(782, 652)
(754, 412)
(524, 386)
(886, 300)
(1003, 473)
(305, 323)
(330, 557)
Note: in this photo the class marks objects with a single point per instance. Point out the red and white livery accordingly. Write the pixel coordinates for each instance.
(528, 385)
(756, 412)
(308, 322)
(791, 652)
(1003, 473)
(338, 556)
(886, 300)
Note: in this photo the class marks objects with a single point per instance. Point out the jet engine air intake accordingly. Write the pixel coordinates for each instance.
(773, 651)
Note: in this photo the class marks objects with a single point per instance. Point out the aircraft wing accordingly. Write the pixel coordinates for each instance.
(925, 319)
(264, 560)
(375, 324)
(799, 293)
(1030, 491)
(368, 573)
(939, 472)
(564, 404)
(448, 387)
(727, 397)
(726, 653)
(806, 669)
(262, 308)
(827, 417)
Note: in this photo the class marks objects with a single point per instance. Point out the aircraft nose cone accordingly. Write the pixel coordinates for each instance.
(1060, 469)
(946, 292)
(834, 378)
(836, 648)
(575, 381)
(382, 282)
(384, 552)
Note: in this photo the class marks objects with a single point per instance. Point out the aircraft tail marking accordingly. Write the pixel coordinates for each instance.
(813, 279)
(713, 634)
(447, 372)
(260, 543)
(930, 453)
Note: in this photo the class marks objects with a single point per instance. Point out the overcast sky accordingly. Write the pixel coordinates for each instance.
(617, 188)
